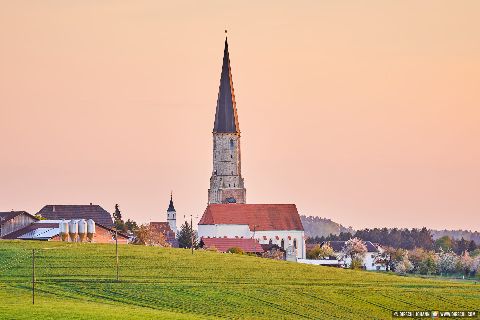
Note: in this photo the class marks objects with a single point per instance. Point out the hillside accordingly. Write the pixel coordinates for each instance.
(77, 281)
(317, 227)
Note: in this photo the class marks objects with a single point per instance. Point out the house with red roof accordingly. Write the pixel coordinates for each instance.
(278, 224)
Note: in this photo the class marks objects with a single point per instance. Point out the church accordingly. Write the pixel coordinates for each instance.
(228, 216)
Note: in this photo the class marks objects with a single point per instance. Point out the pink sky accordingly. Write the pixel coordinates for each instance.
(367, 113)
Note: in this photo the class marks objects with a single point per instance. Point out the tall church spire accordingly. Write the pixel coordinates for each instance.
(226, 120)
(226, 182)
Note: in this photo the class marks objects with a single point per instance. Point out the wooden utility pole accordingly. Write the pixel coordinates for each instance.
(116, 249)
(191, 233)
(254, 244)
(33, 276)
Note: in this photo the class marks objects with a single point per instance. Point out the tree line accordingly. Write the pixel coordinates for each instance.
(408, 239)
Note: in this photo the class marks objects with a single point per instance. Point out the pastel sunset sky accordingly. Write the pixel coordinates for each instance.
(364, 112)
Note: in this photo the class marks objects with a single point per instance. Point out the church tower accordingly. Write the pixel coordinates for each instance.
(172, 215)
(226, 182)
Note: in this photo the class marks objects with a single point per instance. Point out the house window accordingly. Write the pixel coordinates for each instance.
(283, 244)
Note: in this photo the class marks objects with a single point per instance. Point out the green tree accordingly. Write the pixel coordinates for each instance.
(185, 236)
(117, 215)
(445, 243)
(131, 225)
(117, 219)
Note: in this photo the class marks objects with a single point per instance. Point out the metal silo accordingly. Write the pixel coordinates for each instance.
(73, 230)
(82, 230)
(90, 229)
(63, 226)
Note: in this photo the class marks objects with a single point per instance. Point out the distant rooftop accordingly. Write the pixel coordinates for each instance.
(259, 217)
(8, 215)
(68, 212)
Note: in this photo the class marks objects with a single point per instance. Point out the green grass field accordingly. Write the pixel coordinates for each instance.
(77, 281)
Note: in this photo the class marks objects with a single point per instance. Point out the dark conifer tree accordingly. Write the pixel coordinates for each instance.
(185, 236)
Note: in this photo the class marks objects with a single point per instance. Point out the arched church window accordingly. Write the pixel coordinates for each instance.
(232, 145)
(270, 241)
(282, 244)
(295, 243)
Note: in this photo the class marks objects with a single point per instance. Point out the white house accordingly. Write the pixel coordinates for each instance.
(371, 261)
(278, 224)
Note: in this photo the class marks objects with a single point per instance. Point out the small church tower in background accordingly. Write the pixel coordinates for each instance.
(172, 215)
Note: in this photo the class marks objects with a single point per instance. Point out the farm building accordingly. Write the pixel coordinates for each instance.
(69, 212)
(49, 230)
(266, 223)
(13, 221)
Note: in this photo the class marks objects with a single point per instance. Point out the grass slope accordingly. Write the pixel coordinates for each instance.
(77, 282)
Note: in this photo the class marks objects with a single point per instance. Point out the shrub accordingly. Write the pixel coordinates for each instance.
(357, 263)
(236, 250)
(320, 252)
(403, 266)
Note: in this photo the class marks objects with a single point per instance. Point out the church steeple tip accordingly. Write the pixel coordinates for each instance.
(226, 120)
(170, 206)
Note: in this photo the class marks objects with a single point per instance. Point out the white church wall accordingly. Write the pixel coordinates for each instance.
(222, 230)
(283, 234)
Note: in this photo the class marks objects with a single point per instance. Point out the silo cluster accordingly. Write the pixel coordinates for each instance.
(77, 230)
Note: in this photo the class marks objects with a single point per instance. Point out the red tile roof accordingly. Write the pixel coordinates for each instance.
(261, 217)
(223, 244)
